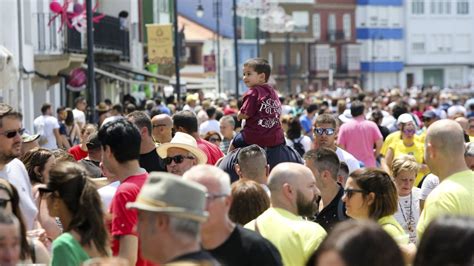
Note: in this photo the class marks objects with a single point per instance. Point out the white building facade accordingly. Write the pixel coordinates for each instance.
(439, 44)
(379, 29)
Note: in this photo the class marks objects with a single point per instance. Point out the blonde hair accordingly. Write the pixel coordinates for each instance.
(404, 163)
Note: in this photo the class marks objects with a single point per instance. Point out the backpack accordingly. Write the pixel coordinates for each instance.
(298, 146)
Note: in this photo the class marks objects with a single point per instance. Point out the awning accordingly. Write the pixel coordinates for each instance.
(137, 71)
(123, 79)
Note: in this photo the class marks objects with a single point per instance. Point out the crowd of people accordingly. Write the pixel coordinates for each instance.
(319, 178)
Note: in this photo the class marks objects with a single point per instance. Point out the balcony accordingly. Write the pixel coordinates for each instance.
(335, 35)
(109, 39)
(294, 69)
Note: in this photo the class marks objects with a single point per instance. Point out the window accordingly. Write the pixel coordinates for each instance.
(317, 26)
(346, 25)
(448, 7)
(462, 7)
(332, 27)
(298, 59)
(301, 19)
(418, 43)
(418, 7)
(283, 58)
(332, 58)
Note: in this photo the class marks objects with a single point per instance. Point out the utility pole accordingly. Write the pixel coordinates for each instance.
(176, 51)
(90, 62)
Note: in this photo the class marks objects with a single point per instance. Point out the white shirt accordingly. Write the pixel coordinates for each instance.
(430, 182)
(45, 125)
(209, 125)
(305, 141)
(107, 193)
(348, 158)
(79, 116)
(15, 173)
(409, 211)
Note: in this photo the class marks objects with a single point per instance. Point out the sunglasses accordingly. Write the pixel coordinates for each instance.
(350, 192)
(177, 159)
(320, 131)
(4, 202)
(12, 133)
(409, 131)
(214, 140)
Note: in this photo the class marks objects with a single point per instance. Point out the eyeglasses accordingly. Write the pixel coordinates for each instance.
(12, 133)
(214, 140)
(320, 131)
(4, 202)
(159, 125)
(350, 192)
(177, 159)
(211, 197)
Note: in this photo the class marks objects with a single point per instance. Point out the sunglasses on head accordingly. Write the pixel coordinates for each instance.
(320, 131)
(177, 159)
(4, 202)
(12, 133)
(350, 192)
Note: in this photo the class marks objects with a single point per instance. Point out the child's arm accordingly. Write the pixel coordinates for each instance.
(241, 116)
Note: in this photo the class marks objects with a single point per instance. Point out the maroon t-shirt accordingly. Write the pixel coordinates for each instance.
(263, 108)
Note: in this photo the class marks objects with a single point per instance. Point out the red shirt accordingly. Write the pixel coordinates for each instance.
(124, 220)
(212, 151)
(77, 152)
(263, 108)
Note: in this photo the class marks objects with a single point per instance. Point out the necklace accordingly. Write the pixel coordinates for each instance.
(410, 221)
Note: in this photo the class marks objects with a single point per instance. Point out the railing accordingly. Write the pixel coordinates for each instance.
(108, 37)
(282, 69)
(335, 35)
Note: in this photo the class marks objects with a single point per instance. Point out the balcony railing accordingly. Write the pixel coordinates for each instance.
(282, 69)
(109, 38)
(335, 35)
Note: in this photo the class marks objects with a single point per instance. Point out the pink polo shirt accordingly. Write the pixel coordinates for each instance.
(359, 136)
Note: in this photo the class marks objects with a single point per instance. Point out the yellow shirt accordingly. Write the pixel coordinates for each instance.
(394, 137)
(454, 195)
(394, 229)
(296, 239)
(417, 150)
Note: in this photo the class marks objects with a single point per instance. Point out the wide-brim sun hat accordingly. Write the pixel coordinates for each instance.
(346, 116)
(183, 141)
(405, 118)
(26, 138)
(164, 193)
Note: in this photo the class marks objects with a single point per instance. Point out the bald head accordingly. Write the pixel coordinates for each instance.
(162, 119)
(447, 137)
(162, 126)
(287, 173)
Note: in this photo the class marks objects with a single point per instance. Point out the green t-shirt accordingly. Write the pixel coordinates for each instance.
(67, 251)
(454, 195)
(394, 229)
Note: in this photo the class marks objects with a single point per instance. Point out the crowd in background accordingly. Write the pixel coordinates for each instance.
(362, 178)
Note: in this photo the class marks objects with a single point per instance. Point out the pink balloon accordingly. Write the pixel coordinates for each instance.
(55, 7)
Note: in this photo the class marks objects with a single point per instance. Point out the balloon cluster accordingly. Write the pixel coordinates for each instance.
(75, 19)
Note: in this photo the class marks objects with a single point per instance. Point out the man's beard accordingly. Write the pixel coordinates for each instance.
(6, 158)
(304, 207)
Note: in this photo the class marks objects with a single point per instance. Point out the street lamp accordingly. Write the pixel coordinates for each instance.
(217, 14)
(255, 9)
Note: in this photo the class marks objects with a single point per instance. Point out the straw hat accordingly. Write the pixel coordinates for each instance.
(163, 192)
(26, 138)
(102, 107)
(183, 141)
